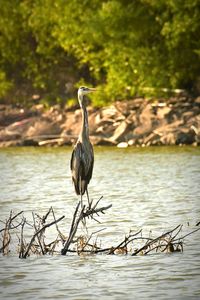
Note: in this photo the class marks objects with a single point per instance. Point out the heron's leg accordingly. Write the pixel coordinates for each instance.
(80, 188)
(89, 203)
(83, 220)
(81, 200)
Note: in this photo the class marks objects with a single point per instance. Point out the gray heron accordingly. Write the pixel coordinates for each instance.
(82, 159)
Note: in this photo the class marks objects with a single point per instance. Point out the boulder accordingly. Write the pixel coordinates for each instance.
(122, 145)
(6, 135)
(16, 130)
(101, 140)
(72, 124)
(146, 124)
(168, 138)
(109, 112)
(43, 127)
(9, 115)
(14, 143)
(197, 100)
(120, 131)
(185, 137)
(162, 112)
(53, 142)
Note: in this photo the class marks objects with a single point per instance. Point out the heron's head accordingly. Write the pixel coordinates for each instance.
(84, 91)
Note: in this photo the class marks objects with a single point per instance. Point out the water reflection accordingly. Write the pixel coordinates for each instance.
(152, 188)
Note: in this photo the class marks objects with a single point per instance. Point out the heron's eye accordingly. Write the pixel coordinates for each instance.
(83, 88)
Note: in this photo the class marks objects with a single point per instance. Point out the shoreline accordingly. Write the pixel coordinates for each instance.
(136, 122)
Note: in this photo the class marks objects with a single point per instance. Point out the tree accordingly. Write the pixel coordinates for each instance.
(125, 47)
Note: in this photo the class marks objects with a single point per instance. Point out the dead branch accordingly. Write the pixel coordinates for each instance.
(73, 229)
(6, 238)
(184, 236)
(170, 241)
(11, 219)
(148, 245)
(38, 232)
(38, 238)
(90, 211)
(22, 245)
(93, 211)
(125, 242)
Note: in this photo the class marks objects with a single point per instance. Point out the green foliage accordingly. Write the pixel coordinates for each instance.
(124, 47)
(5, 85)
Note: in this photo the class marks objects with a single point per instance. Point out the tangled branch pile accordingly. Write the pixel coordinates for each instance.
(13, 234)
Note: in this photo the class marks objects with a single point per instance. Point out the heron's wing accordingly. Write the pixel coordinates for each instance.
(82, 162)
(76, 166)
(90, 165)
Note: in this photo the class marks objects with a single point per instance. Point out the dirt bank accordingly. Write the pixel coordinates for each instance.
(139, 121)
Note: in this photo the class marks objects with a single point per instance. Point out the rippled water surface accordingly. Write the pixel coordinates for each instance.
(150, 188)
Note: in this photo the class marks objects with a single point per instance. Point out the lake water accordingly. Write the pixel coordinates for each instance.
(150, 188)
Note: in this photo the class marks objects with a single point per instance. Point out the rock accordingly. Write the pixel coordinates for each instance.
(94, 122)
(132, 142)
(122, 145)
(152, 139)
(52, 142)
(146, 119)
(6, 135)
(109, 112)
(185, 137)
(187, 115)
(162, 111)
(124, 107)
(38, 108)
(72, 124)
(15, 143)
(136, 103)
(43, 127)
(168, 139)
(197, 100)
(120, 131)
(9, 115)
(134, 122)
(21, 127)
(100, 140)
(16, 130)
(30, 142)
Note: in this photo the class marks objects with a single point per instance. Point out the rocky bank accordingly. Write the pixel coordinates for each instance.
(140, 122)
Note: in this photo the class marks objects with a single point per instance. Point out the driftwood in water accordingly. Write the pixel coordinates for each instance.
(14, 233)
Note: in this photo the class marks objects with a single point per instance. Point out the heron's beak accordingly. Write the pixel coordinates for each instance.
(92, 90)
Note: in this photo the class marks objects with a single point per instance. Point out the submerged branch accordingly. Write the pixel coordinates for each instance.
(134, 243)
(38, 232)
(77, 218)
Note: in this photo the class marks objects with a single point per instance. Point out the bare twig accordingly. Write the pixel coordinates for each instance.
(58, 230)
(170, 241)
(38, 232)
(153, 241)
(76, 220)
(73, 229)
(125, 242)
(38, 238)
(22, 246)
(11, 219)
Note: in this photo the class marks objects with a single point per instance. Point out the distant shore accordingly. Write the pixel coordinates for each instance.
(137, 122)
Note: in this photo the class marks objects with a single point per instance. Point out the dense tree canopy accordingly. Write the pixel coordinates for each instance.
(125, 47)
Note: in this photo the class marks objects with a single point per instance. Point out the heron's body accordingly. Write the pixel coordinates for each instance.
(82, 166)
(82, 159)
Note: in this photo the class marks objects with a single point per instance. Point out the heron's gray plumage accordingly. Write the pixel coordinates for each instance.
(82, 159)
(82, 166)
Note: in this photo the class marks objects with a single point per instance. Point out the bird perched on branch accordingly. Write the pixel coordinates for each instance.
(82, 159)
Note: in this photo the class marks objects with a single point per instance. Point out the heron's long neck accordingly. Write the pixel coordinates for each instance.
(85, 127)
